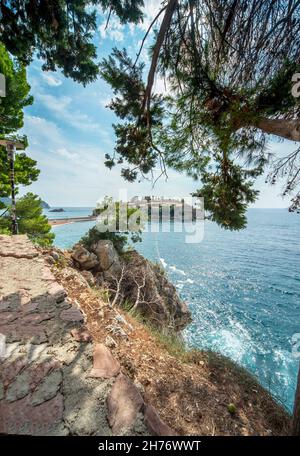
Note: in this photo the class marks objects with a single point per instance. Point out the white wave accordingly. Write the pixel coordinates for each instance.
(190, 281)
(163, 262)
(183, 282)
(179, 271)
(232, 345)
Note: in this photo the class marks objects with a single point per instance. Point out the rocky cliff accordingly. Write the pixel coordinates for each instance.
(77, 364)
(193, 392)
(134, 281)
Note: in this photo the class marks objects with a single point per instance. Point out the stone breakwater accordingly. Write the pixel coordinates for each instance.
(54, 380)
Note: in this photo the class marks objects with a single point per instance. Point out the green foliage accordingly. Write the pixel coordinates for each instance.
(25, 172)
(17, 94)
(276, 97)
(227, 193)
(118, 238)
(4, 230)
(11, 115)
(134, 141)
(61, 33)
(31, 220)
(207, 124)
(231, 409)
(127, 11)
(93, 235)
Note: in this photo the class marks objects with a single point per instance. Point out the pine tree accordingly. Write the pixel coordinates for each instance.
(61, 33)
(229, 89)
(31, 220)
(11, 119)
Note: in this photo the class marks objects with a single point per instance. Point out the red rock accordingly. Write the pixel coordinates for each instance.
(104, 364)
(81, 335)
(40, 370)
(21, 332)
(47, 275)
(8, 317)
(72, 314)
(155, 425)
(20, 417)
(124, 403)
(36, 318)
(9, 370)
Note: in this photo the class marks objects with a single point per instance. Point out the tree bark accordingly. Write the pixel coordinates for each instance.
(296, 415)
(159, 42)
(288, 129)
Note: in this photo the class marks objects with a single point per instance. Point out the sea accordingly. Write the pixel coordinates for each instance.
(243, 289)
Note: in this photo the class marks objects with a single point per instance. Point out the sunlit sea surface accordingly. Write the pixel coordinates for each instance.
(243, 289)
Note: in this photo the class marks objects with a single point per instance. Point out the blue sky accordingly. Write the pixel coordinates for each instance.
(70, 130)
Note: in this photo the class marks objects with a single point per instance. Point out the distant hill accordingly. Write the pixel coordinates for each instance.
(7, 201)
(45, 205)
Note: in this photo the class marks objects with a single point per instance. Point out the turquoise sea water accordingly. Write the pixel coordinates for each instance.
(243, 289)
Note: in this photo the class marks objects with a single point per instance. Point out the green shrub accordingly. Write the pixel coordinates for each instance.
(31, 220)
(118, 238)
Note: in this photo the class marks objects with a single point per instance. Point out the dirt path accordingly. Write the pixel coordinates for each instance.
(53, 379)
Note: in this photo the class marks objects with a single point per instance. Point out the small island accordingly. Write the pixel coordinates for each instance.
(57, 210)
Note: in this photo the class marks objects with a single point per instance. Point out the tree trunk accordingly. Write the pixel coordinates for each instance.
(296, 416)
(288, 129)
(159, 42)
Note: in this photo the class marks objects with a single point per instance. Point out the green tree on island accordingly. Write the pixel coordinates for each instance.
(118, 237)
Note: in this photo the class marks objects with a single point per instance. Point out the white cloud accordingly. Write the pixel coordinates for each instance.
(39, 130)
(55, 104)
(151, 9)
(64, 152)
(114, 31)
(62, 109)
(73, 174)
(161, 86)
(104, 102)
(51, 80)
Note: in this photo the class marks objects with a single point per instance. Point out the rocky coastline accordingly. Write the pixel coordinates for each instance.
(134, 280)
(131, 309)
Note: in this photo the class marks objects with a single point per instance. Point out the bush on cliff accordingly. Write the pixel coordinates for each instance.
(118, 237)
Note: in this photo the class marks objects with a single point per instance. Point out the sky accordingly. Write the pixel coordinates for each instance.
(69, 129)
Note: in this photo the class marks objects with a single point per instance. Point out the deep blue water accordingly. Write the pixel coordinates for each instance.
(243, 289)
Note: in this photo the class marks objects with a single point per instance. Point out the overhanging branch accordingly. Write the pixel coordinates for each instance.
(159, 42)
